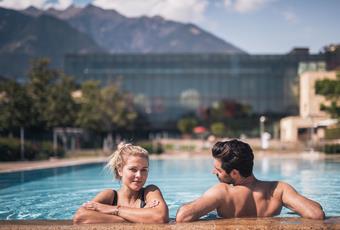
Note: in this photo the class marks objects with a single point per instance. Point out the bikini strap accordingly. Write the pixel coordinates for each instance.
(115, 198)
(142, 198)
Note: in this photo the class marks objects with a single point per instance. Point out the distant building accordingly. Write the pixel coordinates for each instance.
(332, 56)
(168, 86)
(309, 125)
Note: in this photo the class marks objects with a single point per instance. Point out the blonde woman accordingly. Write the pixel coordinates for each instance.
(132, 202)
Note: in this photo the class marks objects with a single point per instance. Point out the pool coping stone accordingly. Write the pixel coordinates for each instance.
(233, 223)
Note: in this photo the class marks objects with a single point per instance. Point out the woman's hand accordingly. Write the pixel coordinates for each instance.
(99, 207)
(109, 209)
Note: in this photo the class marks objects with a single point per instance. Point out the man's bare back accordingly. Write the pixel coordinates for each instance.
(240, 194)
(261, 199)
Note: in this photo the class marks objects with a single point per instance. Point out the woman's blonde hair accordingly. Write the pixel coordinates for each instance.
(117, 158)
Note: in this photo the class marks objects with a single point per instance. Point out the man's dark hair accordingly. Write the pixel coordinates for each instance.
(234, 154)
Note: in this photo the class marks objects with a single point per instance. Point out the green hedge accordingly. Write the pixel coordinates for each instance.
(332, 148)
(152, 148)
(333, 133)
(10, 150)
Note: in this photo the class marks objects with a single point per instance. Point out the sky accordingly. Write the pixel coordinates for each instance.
(256, 26)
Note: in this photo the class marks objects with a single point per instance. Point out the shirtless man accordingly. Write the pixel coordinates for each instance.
(240, 194)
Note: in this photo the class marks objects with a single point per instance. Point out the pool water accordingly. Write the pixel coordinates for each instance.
(57, 193)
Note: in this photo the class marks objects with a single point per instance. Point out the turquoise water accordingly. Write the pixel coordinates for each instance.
(57, 193)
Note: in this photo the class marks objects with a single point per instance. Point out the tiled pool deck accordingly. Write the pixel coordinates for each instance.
(236, 223)
(31, 165)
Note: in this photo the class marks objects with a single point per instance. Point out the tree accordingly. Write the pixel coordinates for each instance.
(330, 89)
(186, 125)
(61, 109)
(41, 79)
(90, 115)
(50, 92)
(14, 105)
(119, 111)
(106, 109)
(218, 128)
(225, 109)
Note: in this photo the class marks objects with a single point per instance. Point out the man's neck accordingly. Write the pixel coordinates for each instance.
(246, 181)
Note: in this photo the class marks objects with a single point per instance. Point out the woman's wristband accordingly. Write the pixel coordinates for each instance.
(116, 211)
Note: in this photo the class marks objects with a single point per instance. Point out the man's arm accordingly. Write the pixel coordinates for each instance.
(200, 207)
(303, 206)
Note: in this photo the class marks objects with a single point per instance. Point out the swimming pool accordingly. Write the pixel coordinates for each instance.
(57, 193)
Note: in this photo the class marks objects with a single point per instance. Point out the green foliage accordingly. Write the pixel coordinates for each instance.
(218, 129)
(332, 148)
(103, 110)
(50, 92)
(41, 79)
(152, 147)
(330, 89)
(332, 133)
(187, 148)
(61, 109)
(10, 150)
(225, 109)
(14, 105)
(186, 125)
(333, 109)
(118, 111)
(89, 117)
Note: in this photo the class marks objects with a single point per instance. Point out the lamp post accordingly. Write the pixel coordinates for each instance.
(262, 120)
(22, 143)
(263, 137)
(311, 134)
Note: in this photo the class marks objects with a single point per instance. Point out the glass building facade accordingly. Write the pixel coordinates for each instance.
(168, 86)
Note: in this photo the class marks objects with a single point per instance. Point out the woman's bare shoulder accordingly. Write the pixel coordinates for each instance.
(106, 196)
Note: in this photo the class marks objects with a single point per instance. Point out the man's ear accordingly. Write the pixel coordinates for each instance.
(235, 173)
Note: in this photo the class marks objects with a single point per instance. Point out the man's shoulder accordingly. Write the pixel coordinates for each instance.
(285, 186)
(278, 187)
(220, 188)
(282, 184)
(217, 191)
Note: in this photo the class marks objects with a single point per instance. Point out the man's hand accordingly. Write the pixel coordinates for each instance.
(152, 204)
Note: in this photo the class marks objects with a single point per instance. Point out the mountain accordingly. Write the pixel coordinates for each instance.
(119, 34)
(24, 37)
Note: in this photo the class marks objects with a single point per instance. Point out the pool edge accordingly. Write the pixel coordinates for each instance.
(234, 223)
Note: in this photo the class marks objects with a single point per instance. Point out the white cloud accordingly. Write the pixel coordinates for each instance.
(60, 4)
(22, 4)
(179, 10)
(41, 4)
(227, 3)
(245, 6)
(290, 16)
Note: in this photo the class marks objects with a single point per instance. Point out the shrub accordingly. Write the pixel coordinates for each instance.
(10, 150)
(218, 129)
(332, 133)
(332, 148)
(152, 148)
(186, 125)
